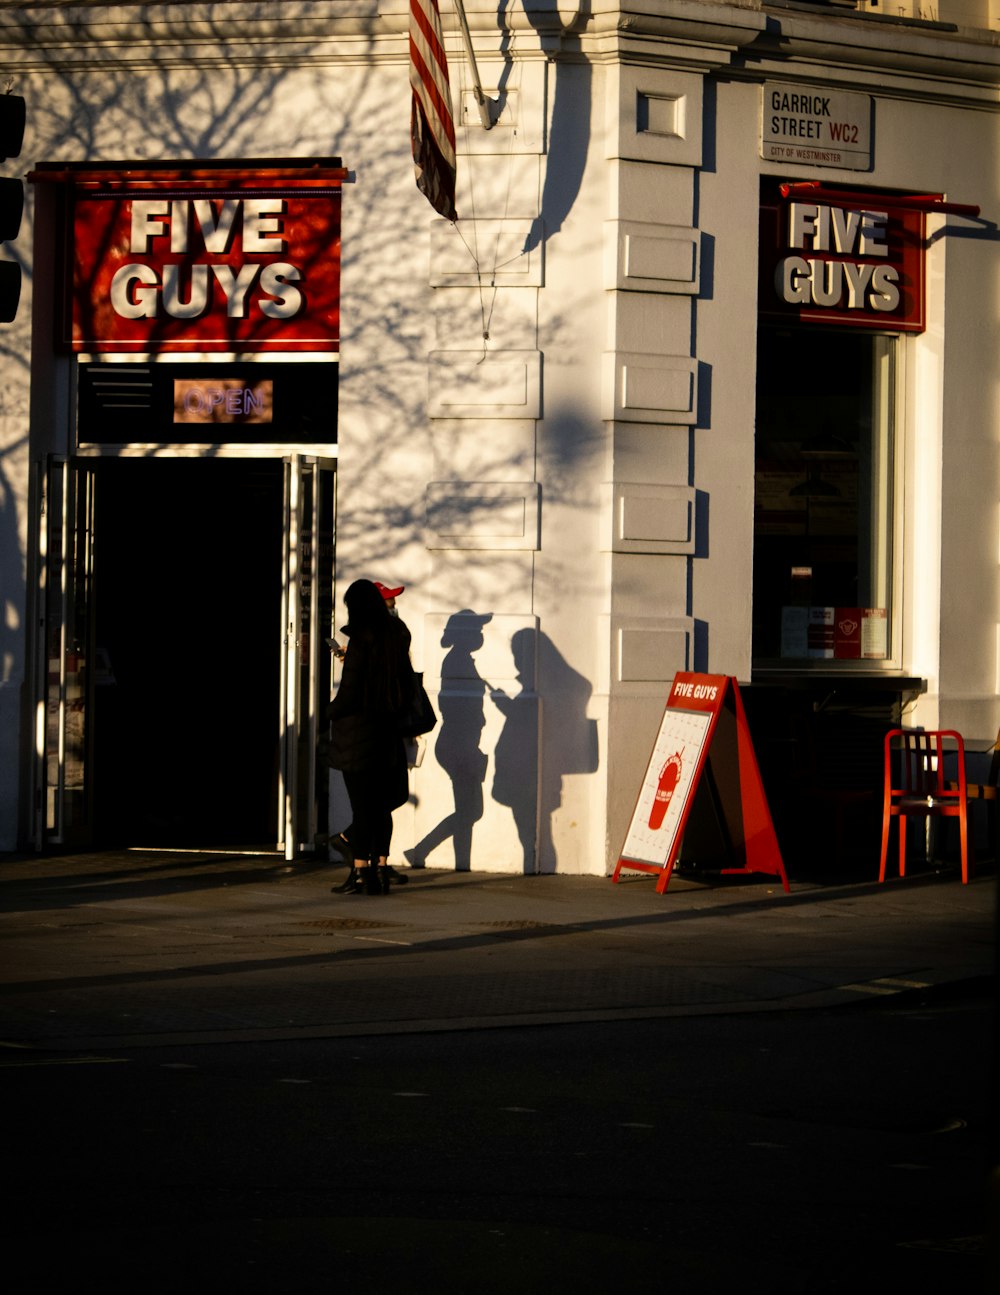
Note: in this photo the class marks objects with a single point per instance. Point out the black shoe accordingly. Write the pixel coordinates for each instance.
(343, 847)
(397, 878)
(372, 880)
(383, 880)
(350, 886)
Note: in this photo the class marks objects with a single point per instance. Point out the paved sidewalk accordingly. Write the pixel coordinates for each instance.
(143, 947)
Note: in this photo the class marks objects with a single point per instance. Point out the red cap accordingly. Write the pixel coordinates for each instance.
(388, 593)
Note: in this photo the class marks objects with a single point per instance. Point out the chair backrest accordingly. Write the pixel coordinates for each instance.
(919, 771)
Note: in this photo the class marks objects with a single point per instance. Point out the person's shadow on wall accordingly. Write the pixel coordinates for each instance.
(515, 758)
(457, 747)
(532, 793)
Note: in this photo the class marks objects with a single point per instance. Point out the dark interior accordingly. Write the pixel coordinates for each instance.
(187, 599)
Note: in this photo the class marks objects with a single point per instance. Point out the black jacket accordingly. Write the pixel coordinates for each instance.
(362, 738)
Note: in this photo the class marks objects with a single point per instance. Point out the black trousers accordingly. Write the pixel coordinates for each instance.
(374, 794)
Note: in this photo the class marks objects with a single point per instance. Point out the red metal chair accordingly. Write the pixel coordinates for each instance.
(915, 784)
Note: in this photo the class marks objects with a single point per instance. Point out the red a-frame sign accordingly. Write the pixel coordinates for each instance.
(703, 740)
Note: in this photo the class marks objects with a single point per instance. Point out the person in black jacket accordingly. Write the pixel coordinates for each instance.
(365, 742)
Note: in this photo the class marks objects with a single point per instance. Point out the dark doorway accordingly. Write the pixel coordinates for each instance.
(187, 602)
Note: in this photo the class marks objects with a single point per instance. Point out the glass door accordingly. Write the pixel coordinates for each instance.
(307, 622)
(65, 666)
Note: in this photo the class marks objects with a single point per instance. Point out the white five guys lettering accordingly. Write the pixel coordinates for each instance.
(182, 288)
(857, 284)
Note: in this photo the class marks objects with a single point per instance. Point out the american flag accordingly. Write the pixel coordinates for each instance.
(432, 127)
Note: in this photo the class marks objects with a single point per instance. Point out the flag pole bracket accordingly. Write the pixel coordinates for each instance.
(484, 104)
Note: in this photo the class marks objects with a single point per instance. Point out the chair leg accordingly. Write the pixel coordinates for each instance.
(902, 845)
(963, 829)
(886, 823)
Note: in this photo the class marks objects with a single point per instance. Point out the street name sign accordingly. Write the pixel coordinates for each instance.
(818, 127)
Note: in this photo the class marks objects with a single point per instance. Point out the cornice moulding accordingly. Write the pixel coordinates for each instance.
(938, 59)
(743, 37)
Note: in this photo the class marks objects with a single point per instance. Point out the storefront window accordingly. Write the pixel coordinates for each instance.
(823, 503)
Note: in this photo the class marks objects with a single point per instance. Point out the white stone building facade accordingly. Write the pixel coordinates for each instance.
(549, 421)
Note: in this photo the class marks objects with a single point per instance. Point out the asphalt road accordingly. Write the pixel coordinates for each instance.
(807, 1151)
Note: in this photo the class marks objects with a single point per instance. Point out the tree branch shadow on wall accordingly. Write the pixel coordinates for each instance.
(165, 107)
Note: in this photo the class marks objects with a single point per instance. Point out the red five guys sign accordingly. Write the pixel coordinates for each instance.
(842, 257)
(205, 260)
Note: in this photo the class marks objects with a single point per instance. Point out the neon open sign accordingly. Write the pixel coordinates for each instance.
(227, 400)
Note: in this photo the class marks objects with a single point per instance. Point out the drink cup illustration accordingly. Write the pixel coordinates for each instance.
(669, 775)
